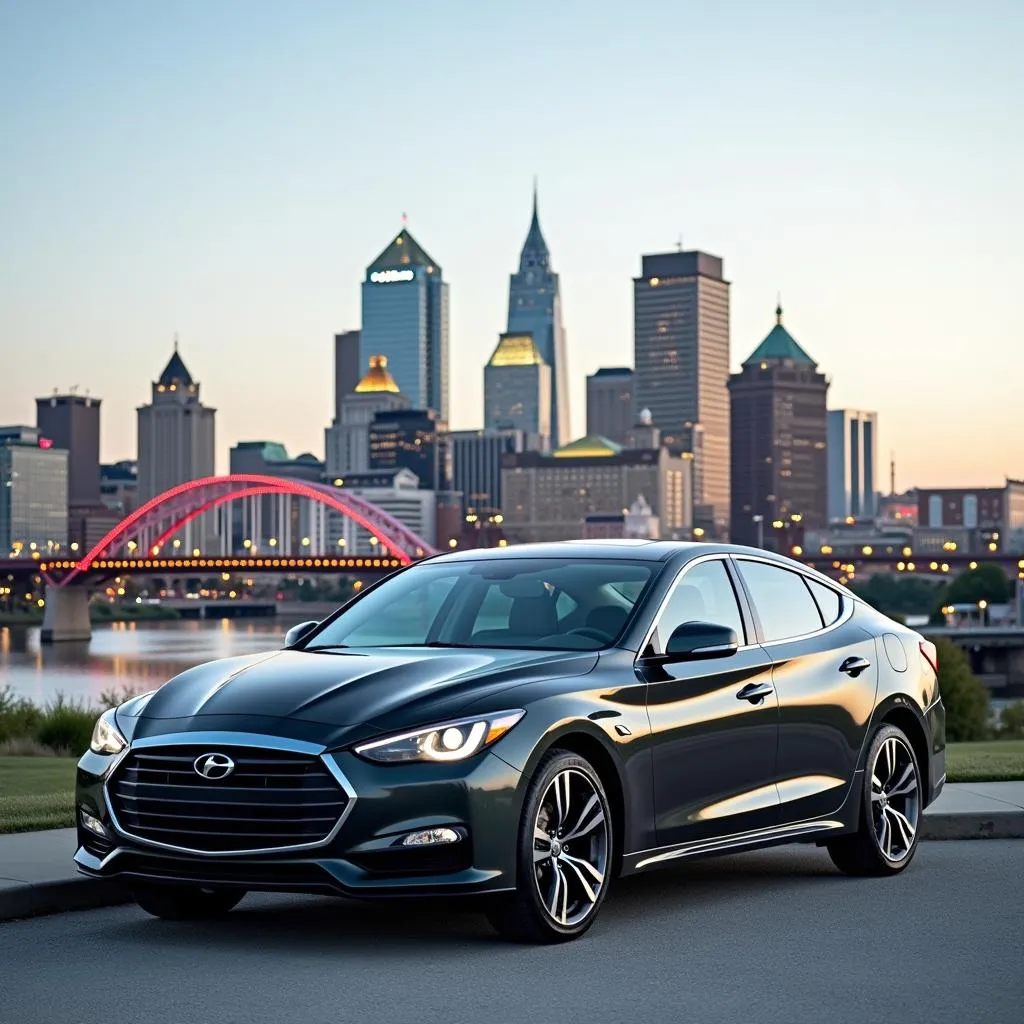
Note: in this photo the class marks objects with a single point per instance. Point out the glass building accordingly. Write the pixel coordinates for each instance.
(405, 318)
(517, 390)
(534, 308)
(33, 492)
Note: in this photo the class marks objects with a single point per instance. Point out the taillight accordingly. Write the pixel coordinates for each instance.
(931, 655)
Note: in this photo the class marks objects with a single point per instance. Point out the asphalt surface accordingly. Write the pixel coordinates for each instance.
(771, 936)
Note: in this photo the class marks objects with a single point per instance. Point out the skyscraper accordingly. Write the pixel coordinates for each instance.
(681, 359)
(347, 367)
(852, 441)
(405, 319)
(610, 406)
(535, 308)
(72, 422)
(779, 434)
(33, 492)
(413, 439)
(176, 441)
(476, 466)
(517, 390)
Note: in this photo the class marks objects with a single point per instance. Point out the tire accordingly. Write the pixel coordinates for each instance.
(559, 886)
(186, 902)
(890, 811)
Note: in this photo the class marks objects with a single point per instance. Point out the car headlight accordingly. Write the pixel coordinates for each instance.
(449, 741)
(106, 737)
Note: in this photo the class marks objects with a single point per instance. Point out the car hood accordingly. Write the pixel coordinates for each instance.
(331, 697)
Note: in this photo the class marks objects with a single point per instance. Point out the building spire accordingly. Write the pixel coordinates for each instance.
(175, 341)
(535, 196)
(778, 308)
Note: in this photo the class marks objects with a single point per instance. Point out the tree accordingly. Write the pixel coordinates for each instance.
(986, 583)
(964, 696)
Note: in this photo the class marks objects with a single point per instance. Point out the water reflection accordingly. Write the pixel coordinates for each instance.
(132, 654)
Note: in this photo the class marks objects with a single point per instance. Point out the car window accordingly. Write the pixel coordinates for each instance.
(784, 605)
(829, 602)
(548, 603)
(409, 617)
(704, 593)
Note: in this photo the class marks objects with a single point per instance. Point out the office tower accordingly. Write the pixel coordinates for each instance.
(517, 389)
(347, 439)
(476, 466)
(347, 367)
(552, 496)
(176, 444)
(413, 439)
(535, 308)
(33, 493)
(72, 422)
(779, 434)
(610, 406)
(405, 319)
(681, 361)
(852, 441)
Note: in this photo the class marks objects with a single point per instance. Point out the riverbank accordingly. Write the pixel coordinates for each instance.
(38, 792)
(98, 614)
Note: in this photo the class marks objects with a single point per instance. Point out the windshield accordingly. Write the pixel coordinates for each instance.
(569, 604)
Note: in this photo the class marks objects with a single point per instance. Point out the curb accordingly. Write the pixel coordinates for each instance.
(34, 899)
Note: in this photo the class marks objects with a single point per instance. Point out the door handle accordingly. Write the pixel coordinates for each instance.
(854, 666)
(755, 692)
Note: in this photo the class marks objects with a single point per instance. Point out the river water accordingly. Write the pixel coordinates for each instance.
(138, 656)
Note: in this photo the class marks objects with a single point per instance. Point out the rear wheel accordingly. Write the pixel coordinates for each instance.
(890, 812)
(186, 902)
(564, 854)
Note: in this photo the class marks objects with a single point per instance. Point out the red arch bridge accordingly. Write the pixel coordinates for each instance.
(188, 530)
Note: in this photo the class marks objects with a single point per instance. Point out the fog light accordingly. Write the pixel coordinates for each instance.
(94, 825)
(431, 837)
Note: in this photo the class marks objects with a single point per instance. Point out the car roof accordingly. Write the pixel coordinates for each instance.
(635, 550)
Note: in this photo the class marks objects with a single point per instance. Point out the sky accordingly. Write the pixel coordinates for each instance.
(226, 170)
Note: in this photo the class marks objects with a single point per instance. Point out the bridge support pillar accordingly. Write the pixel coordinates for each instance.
(66, 616)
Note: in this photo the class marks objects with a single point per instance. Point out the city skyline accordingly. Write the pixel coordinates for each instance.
(242, 216)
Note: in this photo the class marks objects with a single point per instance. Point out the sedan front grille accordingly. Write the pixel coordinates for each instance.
(271, 800)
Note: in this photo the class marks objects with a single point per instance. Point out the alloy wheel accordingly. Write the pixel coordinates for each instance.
(895, 799)
(570, 848)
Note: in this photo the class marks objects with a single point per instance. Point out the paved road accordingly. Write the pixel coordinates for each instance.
(762, 937)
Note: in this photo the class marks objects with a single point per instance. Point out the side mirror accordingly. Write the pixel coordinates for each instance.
(299, 632)
(701, 640)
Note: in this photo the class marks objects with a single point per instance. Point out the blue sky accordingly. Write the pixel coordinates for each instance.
(226, 169)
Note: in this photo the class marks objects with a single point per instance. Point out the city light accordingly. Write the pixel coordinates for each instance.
(867, 549)
(272, 542)
(247, 543)
(453, 543)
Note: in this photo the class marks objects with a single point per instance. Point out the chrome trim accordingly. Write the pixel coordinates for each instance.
(719, 556)
(238, 739)
(739, 839)
(844, 617)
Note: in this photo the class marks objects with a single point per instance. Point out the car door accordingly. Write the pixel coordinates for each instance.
(713, 748)
(825, 673)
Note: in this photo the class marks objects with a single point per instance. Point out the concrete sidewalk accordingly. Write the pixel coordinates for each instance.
(37, 875)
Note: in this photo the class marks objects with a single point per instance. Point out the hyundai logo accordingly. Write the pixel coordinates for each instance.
(213, 766)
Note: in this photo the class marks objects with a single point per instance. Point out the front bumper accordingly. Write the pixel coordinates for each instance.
(481, 799)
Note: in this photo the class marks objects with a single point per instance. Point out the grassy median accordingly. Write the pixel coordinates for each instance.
(38, 792)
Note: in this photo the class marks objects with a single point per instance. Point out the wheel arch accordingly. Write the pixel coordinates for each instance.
(578, 739)
(898, 710)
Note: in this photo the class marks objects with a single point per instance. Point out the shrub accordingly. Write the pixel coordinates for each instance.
(964, 696)
(19, 717)
(114, 696)
(1011, 721)
(66, 725)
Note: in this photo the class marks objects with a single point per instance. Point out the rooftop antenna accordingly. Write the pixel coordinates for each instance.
(405, 220)
(892, 472)
(679, 243)
(175, 341)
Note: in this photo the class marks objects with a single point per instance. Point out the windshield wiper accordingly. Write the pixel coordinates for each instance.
(434, 643)
(326, 647)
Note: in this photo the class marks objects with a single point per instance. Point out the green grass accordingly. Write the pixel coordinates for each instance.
(36, 793)
(990, 761)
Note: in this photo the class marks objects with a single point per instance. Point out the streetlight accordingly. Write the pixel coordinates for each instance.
(760, 530)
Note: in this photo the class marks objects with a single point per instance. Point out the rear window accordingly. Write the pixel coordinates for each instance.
(830, 604)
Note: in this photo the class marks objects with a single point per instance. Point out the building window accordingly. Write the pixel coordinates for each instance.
(971, 511)
(935, 510)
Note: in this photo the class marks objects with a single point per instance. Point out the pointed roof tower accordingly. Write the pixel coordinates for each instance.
(175, 372)
(779, 345)
(535, 249)
(404, 250)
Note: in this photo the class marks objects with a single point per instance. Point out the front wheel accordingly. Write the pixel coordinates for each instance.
(564, 854)
(890, 814)
(186, 902)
